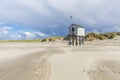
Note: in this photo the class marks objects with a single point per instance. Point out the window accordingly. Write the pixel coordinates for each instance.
(73, 29)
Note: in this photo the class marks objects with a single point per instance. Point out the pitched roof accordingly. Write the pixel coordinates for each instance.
(77, 25)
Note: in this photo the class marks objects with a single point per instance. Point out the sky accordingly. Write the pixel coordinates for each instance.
(32, 19)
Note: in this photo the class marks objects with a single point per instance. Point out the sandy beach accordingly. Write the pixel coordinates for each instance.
(96, 60)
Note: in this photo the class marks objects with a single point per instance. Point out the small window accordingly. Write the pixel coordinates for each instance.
(73, 29)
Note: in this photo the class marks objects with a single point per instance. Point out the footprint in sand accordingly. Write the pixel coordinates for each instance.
(37, 71)
(84, 70)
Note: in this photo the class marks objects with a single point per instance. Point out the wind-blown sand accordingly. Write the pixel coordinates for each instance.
(96, 60)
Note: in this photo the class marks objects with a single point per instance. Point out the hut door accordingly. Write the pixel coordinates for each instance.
(73, 29)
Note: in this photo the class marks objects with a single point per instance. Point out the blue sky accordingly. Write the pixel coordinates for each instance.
(31, 19)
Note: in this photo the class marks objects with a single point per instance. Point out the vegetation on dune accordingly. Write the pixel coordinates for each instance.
(94, 36)
(110, 35)
(52, 39)
(118, 33)
(103, 36)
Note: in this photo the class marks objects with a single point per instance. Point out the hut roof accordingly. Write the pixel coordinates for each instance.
(77, 25)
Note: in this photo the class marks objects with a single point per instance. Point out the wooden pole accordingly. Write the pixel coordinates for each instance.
(69, 37)
(79, 40)
(73, 40)
(76, 40)
(82, 40)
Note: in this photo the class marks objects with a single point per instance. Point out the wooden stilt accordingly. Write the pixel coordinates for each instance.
(69, 37)
(79, 41)
(82, 40)
(73, 40)
(76, 40)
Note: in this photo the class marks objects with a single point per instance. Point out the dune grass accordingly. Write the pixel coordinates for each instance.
(102, 36)
(50, 39)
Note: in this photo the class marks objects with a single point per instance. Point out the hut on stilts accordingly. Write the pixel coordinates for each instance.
(76, 35)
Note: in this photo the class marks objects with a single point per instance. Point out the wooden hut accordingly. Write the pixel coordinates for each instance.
(76, 34)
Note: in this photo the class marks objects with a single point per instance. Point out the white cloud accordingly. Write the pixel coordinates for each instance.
(5, 29)
(40, 34)
(7, 32)
(31, 35)
(26, 35)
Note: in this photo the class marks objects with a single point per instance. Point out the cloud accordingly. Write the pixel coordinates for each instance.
(112, 29)
(31, 35)
(41, 14)
(8, 32)
(40, 34)
(5, 29)
(117, 28)
(5, 32)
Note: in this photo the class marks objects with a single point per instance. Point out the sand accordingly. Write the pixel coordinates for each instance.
(96, 60)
